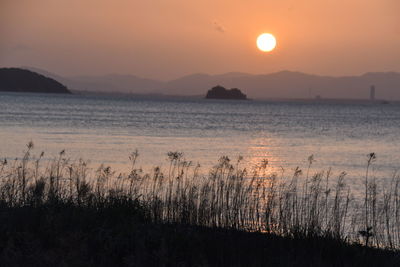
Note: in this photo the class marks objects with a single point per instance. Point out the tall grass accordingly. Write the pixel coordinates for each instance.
(229, 196)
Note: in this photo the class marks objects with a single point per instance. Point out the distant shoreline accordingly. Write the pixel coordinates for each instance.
(299, 100)
(202, 97)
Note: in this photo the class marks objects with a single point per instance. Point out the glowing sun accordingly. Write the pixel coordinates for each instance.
(266, 42)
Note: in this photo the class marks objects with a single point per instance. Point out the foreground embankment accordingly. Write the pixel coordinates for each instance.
(118, 234)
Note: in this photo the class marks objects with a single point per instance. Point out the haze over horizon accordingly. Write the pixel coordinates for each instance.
(166, 40)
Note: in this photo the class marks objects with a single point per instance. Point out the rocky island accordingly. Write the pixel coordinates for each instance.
(219, 92)
(21, 80)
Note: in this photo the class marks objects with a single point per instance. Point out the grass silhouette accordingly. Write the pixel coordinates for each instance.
(66, 214)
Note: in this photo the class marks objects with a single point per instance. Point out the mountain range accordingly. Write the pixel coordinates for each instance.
(283, 84)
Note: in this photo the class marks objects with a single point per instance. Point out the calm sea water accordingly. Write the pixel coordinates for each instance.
(105, 130)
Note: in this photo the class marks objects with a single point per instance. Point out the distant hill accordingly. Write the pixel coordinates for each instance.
(283, 84)
(21, 80)
(111, 83)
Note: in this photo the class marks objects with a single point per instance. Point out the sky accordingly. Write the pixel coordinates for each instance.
(167, 39)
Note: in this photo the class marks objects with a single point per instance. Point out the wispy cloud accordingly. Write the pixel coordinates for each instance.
(219, 27)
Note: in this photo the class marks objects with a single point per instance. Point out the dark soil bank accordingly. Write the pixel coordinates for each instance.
(117, 233)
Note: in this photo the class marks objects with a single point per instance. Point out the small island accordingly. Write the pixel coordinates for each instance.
(219, 92)
(21, 80)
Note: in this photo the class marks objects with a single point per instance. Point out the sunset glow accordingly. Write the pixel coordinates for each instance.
(191, 133)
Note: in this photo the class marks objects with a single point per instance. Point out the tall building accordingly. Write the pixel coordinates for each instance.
(372, 93)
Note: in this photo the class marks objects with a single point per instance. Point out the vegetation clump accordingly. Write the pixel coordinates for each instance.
(219, 92)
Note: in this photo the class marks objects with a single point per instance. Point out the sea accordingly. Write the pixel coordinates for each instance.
(107, 129)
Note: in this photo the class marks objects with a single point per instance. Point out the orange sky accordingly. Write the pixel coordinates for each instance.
(166, 39)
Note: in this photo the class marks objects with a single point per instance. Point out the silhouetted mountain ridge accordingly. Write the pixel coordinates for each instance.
(282, 84)
(117, 83)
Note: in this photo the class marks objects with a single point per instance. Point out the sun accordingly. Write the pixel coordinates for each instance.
(266, 42)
